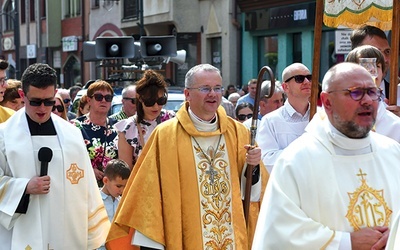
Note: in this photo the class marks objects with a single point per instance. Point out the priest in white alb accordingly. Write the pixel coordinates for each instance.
(337, 186)
(58, 208)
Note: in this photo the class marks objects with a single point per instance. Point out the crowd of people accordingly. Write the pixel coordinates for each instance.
(148, 178)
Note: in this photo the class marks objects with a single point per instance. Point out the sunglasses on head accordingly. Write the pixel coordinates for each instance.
(299, 78)
(133, 100)
(60, 108)
(100, 97)
(243, 117)
(150, 102)
(38, 102)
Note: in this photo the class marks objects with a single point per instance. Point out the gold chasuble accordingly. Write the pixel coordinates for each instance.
(184, 191)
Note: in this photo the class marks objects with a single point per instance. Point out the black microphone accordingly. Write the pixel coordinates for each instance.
(45, 154)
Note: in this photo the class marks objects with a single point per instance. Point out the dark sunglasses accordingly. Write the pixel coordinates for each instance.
(150, 102)
(299, 78)
(37, 103)
(133, 100)
(66, 100)
(60, 108)
(243, 117)
(100, 97)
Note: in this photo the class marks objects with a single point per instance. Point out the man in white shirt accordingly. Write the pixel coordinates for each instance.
(335, 187)
(282, 126)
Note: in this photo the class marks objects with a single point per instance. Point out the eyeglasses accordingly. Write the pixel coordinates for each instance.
(38, 102)
(3, 81)
(358, 93)
(66, 100)
(244, 117)
(133, 100)
(60, 108)
(207, 89)
(299, 78)
(150, 102)
(100, 97)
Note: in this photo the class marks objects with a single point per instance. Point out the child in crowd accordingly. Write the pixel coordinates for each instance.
(116, 176)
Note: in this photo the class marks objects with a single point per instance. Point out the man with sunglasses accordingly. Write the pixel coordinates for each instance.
(53, 207)
(187, 180)
(282, 126)
(128, 108)
(337, 186)
(5, 112)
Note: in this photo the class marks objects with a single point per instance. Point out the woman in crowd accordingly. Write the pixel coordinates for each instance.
(151, 96)
(11, 98)
(83, 106)
(97, 129)
(59, 108)
(244, 111)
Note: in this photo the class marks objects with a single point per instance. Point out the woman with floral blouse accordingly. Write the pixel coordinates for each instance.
(133, 132)
(97, 129)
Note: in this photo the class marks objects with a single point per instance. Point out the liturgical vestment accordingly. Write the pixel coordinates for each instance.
(72, 214)
(321, 190)
(167, 198)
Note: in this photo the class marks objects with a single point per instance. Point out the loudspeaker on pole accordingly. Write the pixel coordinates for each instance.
(158, 46)
(89, 51)
(115, 47)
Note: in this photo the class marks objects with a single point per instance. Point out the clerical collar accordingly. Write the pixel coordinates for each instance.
(344, 145)
(46, 128)
(202, 125)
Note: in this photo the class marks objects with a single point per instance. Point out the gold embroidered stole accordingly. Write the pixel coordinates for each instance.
(215, 193)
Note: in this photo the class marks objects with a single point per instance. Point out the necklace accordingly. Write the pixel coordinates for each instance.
(210, 159)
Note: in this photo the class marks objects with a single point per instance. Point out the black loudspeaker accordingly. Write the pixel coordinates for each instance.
(115, 47)
(89, 51)
(151, 46)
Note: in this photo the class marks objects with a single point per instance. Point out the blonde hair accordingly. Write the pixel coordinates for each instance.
(64, 113)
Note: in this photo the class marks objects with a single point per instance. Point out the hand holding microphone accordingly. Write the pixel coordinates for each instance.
(41, 185)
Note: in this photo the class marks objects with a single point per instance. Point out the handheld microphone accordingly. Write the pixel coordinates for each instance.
(45, 154)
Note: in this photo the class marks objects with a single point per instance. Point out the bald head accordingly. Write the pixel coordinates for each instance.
(342, 75)
(350, 99)
(293, 70)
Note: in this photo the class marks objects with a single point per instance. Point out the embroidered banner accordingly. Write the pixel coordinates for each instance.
(354, 13)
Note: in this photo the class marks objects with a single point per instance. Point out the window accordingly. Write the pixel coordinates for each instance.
(268, 47)
(8, 17)
(297, 50)
(72, 8)
(95, 4)
(43, 9)
(24, 9)
(131, 9)
(216, 52)
(32, 10)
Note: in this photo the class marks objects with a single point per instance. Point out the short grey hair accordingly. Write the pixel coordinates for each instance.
(266, 86)
(127, 88)
(189, 78)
